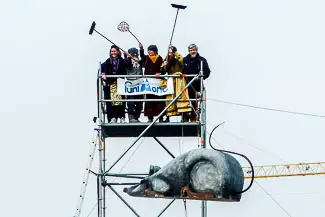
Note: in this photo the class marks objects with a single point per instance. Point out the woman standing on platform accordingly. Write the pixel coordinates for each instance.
(173, 65)
(114, 65)
(151, 64)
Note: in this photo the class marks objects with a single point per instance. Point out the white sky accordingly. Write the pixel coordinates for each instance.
(264, 53)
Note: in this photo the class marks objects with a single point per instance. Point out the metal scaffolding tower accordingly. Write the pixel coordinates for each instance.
(139, 130)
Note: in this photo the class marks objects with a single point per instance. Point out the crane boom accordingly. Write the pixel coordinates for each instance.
(285, 170)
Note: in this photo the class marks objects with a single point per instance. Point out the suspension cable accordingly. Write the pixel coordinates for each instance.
(273, 199)
(268, 109)
(243, 141)
(92, 149)
(240, 139)
(133, 153)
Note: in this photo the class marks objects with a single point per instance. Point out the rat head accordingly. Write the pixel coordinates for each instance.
(137, 190)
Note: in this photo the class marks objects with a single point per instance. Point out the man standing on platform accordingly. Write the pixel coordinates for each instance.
(192, 65)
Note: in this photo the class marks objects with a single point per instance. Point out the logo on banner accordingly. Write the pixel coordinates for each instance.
(144, 86)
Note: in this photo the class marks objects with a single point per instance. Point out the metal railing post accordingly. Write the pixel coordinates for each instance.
(203, 128)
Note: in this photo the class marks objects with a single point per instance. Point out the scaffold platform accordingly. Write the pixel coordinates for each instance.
(171, 129)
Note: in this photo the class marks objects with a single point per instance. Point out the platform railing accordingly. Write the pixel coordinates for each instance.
(102, 101)
(148, 76)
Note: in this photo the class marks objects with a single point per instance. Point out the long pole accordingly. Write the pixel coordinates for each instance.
(203, 130)
(177, 7)
(171, 38)
(108, 39)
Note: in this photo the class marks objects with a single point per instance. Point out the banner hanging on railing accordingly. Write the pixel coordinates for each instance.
(144, 86)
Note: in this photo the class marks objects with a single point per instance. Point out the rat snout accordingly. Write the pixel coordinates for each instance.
(136, 190)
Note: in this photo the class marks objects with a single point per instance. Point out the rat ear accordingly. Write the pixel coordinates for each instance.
(153, 169)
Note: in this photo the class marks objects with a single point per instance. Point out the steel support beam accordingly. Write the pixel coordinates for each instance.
(168, 205)
(164, 147)
(122, 199)
(204, 208)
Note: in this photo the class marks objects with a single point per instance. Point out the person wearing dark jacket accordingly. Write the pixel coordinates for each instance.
(133, 68)
(114, 65)
(192, 65)
(151, 64)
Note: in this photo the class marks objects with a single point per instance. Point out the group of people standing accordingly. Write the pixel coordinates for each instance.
(153, 64)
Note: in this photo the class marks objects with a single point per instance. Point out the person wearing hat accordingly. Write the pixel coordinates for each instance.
(151, 64)
(192, 65)
(173, 65)
(133, 68)
(114, 65)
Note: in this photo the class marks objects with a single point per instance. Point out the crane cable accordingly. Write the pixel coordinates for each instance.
(266, 108)
(273, 199)
(242, 140)
(231, 152)
(92, 149)
(129, 159)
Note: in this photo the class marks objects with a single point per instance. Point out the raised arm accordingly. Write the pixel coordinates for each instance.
(127, 61)
(142, 55)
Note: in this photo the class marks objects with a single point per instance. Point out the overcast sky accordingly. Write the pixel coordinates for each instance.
(263, 53)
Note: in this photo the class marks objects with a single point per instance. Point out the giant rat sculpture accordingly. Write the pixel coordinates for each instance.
(197, 174)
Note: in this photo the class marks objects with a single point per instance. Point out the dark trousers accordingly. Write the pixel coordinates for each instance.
(192, 91)
(135, 108)
(152, 109)
(113, 111)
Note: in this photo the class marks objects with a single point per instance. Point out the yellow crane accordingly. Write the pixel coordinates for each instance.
(285, 170)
